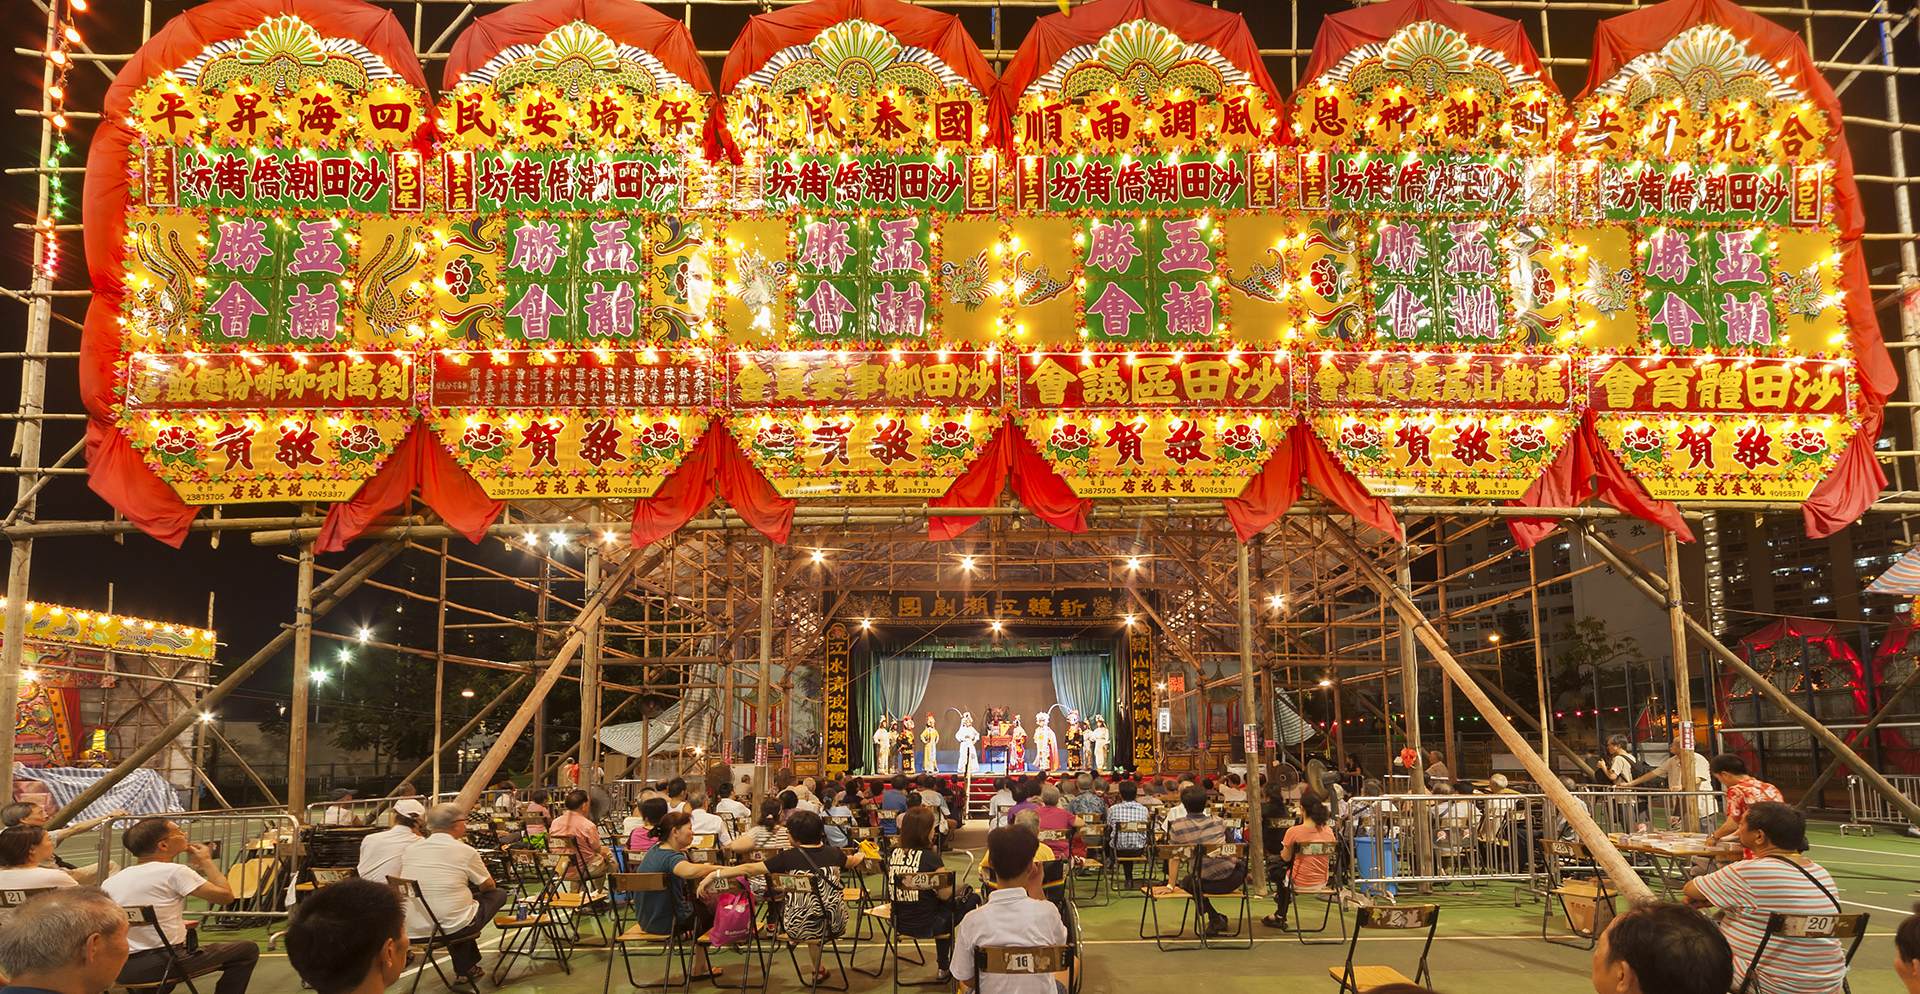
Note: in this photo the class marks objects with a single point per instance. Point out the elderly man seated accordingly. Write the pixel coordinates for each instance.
(71, 941)
(449, 872)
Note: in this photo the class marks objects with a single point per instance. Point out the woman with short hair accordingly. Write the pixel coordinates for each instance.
(23, 850)
(1779, 879)
(930, 914)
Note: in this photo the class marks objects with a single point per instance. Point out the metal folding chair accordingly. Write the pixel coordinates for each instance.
(1577, 896)
(1328, 893)
(627, 932)
(1404, 917)
(1835, 926)
(409, 890)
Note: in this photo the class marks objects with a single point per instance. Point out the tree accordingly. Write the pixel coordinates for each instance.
(1590, 649)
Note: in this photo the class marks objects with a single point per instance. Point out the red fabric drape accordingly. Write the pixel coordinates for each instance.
(628, 22)
(715, 465)
(115, 471)
(1343, 32)
(1850, 488)
(420, 463)
(1054, 35)
(1009, 457)
(1301, 457)
(1584, 469)
(1854, 483)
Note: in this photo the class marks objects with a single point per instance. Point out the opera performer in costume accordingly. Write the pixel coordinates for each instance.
(1046, 745)
(930, 746)
(905, 733)
(967, 736)
(1076, 743)
(883, 745)
(1017, 747)
(1099, 740)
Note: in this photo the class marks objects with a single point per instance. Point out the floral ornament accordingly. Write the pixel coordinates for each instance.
(1324, 277)
(178, 444)
(949, 439)
(1643, 444)
(1362, 439)
(1805, 445)
(1526, 441)
(1070, 442)
(660, 440)
(460, 277)
(1241, 442)
(361, 443)
(775, 441)
(484, 440)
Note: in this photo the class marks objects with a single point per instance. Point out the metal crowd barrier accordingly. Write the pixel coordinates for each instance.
(1629, 811)
(1417, 839)
(370, 811)
(260, 850)
(1866, 808)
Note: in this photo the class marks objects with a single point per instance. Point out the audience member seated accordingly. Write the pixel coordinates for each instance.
(1906, 952)
(768, 832)
(1662, 949)
(727, 806)
(1129, 811)
(643, 838)
(1778, 879)
(930, 914)
(1218, 874)
(1743, 791)
(1299, 870)
(25, 851)
(705, 822)
(590, 856)
(380, 852)
(674, 910)
(339, 810)
(535, 814)
(1000, 802)
(350, 938)
(1054, 818)
(814, 917)
(448, 872)
(1015, 914)
(29, 813)
(1087, 802)
(158, 882)
(71, 941)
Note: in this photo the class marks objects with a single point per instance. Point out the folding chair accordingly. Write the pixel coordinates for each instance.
(143, 915)
(409, 891)
(1118, 864)
(1405, 917)
(751, 950)
(1189, 893)
(1834, 927)
(1582, 900)
(628, 932)
(1019, 961)
(806, 888)
(908, 887)
(532, 917)
(1328, 893)
(15, 897)
(1093, 835)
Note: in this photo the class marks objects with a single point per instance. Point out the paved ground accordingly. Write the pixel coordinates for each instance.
(1485, 944)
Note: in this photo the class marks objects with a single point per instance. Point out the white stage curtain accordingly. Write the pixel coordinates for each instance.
(1083, 682)
(895, 686)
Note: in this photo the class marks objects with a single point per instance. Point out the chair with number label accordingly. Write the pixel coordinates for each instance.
(1328, 893)
(1403, 918)
(628, 932)
(1018, 961)
(1093, 835)
(1836, 927)
(902, 887)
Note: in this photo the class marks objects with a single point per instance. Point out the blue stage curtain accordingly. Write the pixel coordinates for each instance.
(1083, 682)
(895, 686)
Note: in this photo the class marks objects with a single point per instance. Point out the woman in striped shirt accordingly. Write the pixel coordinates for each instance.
(1777, 880)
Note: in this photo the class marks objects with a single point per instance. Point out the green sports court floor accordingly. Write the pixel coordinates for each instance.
(1485, 945)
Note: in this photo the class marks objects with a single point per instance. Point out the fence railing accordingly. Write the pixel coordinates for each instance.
(358, 811)
(1867, 808)
(261, 851)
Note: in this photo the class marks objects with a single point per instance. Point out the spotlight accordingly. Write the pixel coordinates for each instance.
(866, 623)
(1276, 602)
(365, 633)
(1494, 638)
(819, 556)
(206, 717)
(1324, 682)
(966, 563)
(466, 692)
(996, 625)
(1129, 620)
(1133, 562)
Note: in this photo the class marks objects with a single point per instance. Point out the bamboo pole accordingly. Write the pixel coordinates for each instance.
(762, 739)
(1626, 880)
(1656, 591)
(1680, 776)
(1863, 734)
(1249, 718)
(450, 741)
(329, 595)
(439, 675)
(497, 753)
(588, 746)
(302, 685)
(539, 760)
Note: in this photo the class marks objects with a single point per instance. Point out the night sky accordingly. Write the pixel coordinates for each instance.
(252, 589)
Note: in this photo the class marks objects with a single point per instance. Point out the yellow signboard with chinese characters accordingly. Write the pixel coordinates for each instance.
(116, 632)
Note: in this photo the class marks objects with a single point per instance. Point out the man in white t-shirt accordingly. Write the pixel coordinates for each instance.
(706, 822)
(1697, 777)
(726, 805)
(337, 811)
(380, 852)
(448, 871)
(156, 881)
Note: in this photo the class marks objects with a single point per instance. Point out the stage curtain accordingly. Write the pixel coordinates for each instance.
(895, 685)
(1083, 682)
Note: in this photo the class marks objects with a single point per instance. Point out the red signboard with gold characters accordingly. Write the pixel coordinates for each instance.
(865, 265)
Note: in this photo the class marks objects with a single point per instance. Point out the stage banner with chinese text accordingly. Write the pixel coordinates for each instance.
(1140, 698)
(274, 195)
(1705, 233)
(837, 655)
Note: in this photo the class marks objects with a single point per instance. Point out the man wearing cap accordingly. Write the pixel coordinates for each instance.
(380, 853)
(337, 812)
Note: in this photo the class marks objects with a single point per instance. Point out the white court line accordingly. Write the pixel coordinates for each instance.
(1876, 907)
(1388, 938)
(1870, 852)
